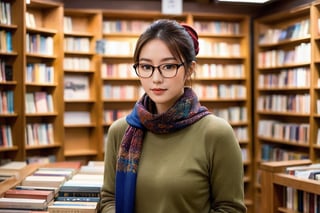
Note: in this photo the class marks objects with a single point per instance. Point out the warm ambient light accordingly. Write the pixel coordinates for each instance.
(246, 1)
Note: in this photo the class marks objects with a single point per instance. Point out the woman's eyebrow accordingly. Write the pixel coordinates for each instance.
(162, 60)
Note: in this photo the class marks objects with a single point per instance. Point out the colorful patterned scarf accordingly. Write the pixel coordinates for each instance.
(185, 112)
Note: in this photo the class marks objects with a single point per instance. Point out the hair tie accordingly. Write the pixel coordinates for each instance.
(194, 35)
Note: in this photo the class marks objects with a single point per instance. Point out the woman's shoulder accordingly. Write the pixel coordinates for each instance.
(118, 126)
(211, 118)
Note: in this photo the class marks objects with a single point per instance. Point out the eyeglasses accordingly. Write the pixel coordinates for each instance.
(166, 70)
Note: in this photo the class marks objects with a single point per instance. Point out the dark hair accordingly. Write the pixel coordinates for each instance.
(176, 36)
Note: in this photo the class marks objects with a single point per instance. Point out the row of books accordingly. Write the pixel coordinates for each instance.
(110, 47)
(296, 103)
(39, 134)
(298, 200)
(220, 90)
(5, 136)
(276, 58)
(220, 71)
(297, 30)
(7, 102)
(56, 187)
(76, 44)
(219, 49)
(76, 63)
(218, 27)
(291, 132)
(286, 78)
(39, 44)
(124, 26)
(232, 114)
(128, 92)
(241, 133)
(5, 41)
(39, 73)
(271, 152)
(5, 15)
(111, 115)
(6, 71)
(121, 70)
(39, 102)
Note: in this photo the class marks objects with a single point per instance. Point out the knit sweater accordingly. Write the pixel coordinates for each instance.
(197, 170)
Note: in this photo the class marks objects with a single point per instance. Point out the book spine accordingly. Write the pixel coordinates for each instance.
(78, 194)
(78, 199)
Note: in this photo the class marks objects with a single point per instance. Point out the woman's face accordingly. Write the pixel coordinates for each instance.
(163, 91)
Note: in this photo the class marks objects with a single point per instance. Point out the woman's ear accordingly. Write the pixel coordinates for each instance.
(192, 69)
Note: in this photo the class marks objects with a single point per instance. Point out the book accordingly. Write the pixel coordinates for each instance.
(47, 181)
(31, 194)
(23, 203)
(67, 173)
(13, 168)
(41, 188)
(40, 99)
(77, 199)
(65, 164)
(68, 206)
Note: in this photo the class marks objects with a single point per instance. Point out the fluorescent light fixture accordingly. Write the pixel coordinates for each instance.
(246, 1)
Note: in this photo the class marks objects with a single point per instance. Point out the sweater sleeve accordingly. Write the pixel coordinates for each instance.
(226, 173)
(114, 137)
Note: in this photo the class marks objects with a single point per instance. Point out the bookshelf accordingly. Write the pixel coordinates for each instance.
(276, 185)
(42, 74)
(286, 92)
(11, 120)
(222, 80)
(81, 107)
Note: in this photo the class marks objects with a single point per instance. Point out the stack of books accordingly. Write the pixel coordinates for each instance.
(82, 191)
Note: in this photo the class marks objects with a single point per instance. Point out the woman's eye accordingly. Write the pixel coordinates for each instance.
(168, 66)
(146, 67)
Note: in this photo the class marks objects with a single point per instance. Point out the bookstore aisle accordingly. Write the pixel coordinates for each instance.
(66, 75)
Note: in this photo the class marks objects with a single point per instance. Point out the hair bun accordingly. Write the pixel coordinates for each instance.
(194, 35)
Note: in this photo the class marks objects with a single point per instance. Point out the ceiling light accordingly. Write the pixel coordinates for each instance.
(246, 1)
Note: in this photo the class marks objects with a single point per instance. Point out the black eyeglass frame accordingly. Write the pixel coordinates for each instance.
(135, 66)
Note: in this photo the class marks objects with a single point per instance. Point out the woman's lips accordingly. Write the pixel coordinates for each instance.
(158, 91)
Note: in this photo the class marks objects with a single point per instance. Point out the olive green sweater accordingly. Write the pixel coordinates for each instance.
(195, 170)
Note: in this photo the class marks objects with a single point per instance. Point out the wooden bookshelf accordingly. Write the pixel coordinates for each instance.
(82, 137)
(42, 73)
(224, 67)
(274, 183)
(286, 89)
(14, 60)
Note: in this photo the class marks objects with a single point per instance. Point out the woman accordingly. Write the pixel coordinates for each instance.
(170, 155)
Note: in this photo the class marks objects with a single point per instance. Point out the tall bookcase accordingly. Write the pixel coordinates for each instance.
(287, 88)
(81, 114)
(42, 79)
(12, 60)
(222, 79)
(35, 50)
